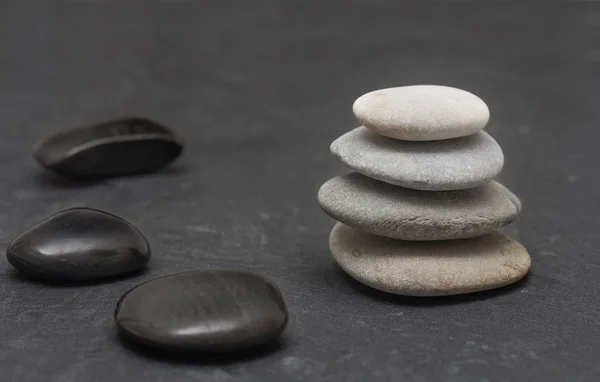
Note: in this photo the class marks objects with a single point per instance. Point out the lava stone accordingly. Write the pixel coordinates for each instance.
(79, 244)
(122, 146)
(203, 311)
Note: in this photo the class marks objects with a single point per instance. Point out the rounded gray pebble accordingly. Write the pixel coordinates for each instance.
(402, 213)
(422, 112)
(429, 268)
(451, 164)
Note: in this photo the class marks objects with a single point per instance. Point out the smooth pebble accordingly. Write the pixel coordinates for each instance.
(124, 146)
(451, 164)
(422, 112)
(401, 213)
(79, 244)
(203, 311)
(429, 268)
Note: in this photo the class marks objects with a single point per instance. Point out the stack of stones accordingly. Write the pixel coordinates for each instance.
(420, 216)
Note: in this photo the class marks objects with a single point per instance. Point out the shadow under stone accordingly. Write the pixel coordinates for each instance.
(200, 358)
(49, 179)
(17, 276)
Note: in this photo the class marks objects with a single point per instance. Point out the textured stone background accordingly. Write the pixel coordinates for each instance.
(259, 89)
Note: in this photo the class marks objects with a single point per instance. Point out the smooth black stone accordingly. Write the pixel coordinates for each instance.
(122, 146)
(203, 311)
(79, 244)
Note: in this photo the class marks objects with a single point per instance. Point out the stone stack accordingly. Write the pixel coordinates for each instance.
(420, 216)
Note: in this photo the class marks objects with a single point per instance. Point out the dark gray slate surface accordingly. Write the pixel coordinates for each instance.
(259, 89)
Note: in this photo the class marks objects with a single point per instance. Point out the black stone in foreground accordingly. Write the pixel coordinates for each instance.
(122, 146)
(203, 311)
(79, 244)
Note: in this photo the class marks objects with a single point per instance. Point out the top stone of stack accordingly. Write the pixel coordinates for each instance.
(422, 112)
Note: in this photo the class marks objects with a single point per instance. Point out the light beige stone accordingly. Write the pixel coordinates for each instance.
(432, 268)
(422, 112)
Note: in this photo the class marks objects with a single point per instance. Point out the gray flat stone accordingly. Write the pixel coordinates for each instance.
(429, 268)
(450, 164)
(422, 112)
(402, 213)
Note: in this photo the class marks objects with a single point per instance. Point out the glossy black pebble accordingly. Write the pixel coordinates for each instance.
(203, 311)
(79, 244)
(119, 147)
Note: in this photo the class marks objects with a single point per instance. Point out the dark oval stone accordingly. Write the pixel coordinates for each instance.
(79, 244)
(119, 147)
(204, 311)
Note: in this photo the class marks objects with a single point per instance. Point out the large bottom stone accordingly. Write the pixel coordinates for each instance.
(429, 268)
